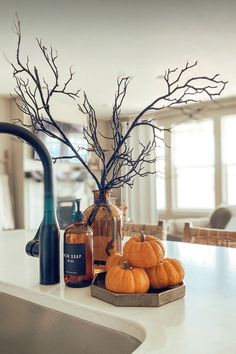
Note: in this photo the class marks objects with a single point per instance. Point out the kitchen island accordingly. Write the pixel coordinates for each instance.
(203, 321)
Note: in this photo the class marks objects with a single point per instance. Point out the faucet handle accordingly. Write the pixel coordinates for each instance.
(32, 247)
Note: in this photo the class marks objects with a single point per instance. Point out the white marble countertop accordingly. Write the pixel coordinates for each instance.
(204, 321)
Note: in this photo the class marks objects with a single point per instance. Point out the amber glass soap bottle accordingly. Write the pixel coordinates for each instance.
(78, 251)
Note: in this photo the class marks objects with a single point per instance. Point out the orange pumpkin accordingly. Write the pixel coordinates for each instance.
(167, 273)
(127, 280)
(113, 260)
(143, 251)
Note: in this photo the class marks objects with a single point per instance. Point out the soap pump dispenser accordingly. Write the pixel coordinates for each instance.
(78, 251)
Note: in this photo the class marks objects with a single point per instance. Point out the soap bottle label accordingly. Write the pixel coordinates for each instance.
(74, 259)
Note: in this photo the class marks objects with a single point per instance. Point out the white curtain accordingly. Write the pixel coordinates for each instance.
(141, 199)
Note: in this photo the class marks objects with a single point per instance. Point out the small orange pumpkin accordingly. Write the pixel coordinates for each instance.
(167, 273)
(143, 251)
(113, 260)
(127, 280)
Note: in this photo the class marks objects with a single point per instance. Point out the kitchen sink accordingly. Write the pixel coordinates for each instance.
(28, 328)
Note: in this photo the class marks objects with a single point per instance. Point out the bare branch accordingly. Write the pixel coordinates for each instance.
(34, 94)
(90, 133)
(178, 92)
(56, 158)
(34, 97)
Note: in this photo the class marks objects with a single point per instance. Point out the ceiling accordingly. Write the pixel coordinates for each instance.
(104, 39)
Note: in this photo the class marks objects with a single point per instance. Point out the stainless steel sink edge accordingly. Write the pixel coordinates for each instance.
(82, 313)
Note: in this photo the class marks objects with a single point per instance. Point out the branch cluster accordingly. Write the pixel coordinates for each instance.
(34, 96)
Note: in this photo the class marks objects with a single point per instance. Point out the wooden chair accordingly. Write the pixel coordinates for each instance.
(157, 230)
(206, 236)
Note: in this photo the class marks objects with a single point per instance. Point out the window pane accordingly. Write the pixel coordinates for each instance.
(229, 158)
(231, 184)
(194, 187)
(228, 139)
(193, 163)
(193, 143)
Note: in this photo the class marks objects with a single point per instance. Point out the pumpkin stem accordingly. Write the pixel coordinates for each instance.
(142, 236)
(125, 265)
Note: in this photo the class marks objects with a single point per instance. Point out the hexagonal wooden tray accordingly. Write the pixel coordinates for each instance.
(154, 298)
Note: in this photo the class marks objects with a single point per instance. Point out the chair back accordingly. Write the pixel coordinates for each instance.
(207, 236)
(157, 230)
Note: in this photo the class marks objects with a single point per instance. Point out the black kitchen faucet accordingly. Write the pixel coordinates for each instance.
(46, 243)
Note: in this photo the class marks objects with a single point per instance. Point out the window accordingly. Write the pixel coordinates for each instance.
(192, 152)
(229, 158)
(198, 172)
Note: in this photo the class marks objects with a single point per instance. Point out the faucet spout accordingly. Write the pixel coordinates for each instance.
(46, 243)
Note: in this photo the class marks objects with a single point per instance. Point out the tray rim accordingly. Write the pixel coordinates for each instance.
(157, 298)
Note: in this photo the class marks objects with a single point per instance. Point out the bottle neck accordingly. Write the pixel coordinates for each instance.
(102, 196)
(78, 222)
